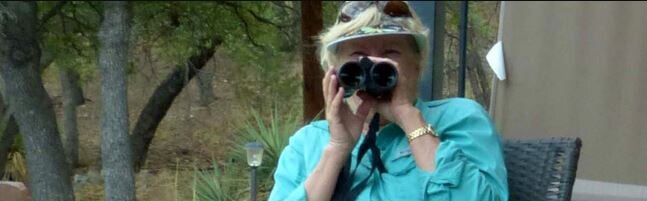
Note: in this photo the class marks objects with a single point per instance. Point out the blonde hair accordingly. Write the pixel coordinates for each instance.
(370, 17)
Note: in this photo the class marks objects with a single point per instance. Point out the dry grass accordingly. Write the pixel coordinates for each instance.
(161, 186)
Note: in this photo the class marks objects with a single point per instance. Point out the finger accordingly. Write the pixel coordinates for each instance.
(337, 101)
(332, 86)
(324, 84)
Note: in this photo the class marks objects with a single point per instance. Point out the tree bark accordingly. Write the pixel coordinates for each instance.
(49, 179)
(311, 25)
(116, 160)
(438, 60)
(162, 99)
(72, 97)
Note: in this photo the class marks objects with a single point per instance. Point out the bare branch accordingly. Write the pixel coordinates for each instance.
(266, 21)
(247, 31)
(77, 21)
(55, 10)
(282, 5)
(236, 8)
(281, 28)
(66, 40)
(452, 36)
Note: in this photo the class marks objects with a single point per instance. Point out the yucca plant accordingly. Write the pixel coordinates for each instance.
(16, 169)
(16, 166)
(273, 132)
(214, 185)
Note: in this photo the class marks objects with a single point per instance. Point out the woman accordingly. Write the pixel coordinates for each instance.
(439, 150)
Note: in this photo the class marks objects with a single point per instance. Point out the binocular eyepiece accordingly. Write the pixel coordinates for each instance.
(377, 79)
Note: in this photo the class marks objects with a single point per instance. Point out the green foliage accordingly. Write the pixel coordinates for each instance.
(16, 167)
(257, 36)
(180, 27)
(69, 38)
(330, 11)
(252, 33)
(168, 26)
(213, 185)
(17, 145)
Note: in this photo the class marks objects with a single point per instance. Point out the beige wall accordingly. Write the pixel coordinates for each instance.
(578, 69)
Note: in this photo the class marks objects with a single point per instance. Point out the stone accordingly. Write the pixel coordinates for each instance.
(13, 191)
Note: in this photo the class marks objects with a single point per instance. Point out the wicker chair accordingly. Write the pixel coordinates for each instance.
(541, 169)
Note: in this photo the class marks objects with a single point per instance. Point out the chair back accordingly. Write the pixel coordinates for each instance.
(541, 169)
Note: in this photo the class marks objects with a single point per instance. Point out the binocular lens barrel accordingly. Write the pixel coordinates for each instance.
(378, 79)
(351, 75)
(384, 75)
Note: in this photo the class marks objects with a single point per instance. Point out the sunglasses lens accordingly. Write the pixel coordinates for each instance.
(352, 9)
(397, 9)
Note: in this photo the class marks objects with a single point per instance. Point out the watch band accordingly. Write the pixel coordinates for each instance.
(422, 131)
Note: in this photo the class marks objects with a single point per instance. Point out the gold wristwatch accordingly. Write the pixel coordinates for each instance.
(422, 131)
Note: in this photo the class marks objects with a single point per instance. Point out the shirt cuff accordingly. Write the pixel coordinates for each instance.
(449, 170)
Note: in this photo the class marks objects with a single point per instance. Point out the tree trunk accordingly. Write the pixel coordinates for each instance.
(473, 78)
(161, 100)
(116, 160)
(205, 85)
(49, 179)
(478, 77)
(438, 59)
(70, 82)
(72, 97)
(4, 108)
(311, 25)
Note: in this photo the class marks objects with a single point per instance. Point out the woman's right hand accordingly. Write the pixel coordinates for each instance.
(345, 127)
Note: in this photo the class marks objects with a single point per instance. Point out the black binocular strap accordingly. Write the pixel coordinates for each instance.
(370, 142)
(344, 183)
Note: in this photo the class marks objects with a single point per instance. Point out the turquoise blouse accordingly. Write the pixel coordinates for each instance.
(469, 160)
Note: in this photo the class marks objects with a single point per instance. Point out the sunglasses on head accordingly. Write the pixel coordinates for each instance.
(351, 9)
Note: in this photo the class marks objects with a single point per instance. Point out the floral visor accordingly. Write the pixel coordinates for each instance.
(396, 12)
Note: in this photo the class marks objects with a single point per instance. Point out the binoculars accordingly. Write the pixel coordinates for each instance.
(377, 79)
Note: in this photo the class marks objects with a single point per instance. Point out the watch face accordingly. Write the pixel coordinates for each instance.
(431, 129)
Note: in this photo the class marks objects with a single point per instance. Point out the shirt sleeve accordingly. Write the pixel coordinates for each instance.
(289, 177)
(469, 160)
